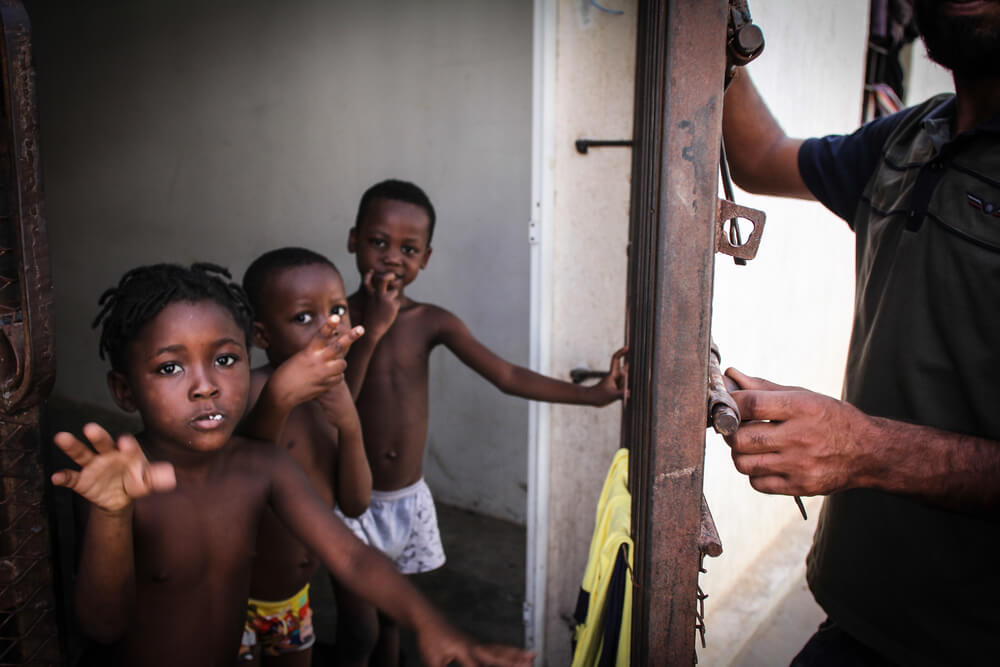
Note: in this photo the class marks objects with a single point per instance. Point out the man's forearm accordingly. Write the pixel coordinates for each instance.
(952, 470)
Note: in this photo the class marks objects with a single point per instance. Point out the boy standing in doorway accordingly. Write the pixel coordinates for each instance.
(388, 372)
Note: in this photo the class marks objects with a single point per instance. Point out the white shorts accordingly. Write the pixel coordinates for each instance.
(402, 524)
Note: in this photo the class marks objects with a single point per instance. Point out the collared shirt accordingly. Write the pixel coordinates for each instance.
(916, 582)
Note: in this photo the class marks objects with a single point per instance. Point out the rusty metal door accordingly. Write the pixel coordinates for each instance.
(674, 231)
(28, 627)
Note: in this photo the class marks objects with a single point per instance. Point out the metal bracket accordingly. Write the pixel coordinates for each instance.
(731, 244)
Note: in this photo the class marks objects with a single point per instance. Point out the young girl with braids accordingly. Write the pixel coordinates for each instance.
(166, 553)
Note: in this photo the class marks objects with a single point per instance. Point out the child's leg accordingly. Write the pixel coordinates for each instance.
(357, 628)
(386, 653)
(301, 658)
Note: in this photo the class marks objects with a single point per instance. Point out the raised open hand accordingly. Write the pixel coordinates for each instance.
(111, 475)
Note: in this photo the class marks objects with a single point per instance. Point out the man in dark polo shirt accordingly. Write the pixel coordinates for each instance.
(906, 553)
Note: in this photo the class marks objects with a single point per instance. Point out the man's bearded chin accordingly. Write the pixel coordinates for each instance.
(967, 45)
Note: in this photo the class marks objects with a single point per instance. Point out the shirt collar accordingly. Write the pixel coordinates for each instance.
(937, 124)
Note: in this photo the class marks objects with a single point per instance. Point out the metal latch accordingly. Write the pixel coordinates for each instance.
(729, 238)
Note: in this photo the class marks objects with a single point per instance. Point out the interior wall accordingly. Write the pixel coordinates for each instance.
(924, 77)
(188, 131)
(594, 91)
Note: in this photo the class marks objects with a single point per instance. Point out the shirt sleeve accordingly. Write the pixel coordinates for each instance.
(836, 168)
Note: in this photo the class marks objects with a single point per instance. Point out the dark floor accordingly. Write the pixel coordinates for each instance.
(480, 589)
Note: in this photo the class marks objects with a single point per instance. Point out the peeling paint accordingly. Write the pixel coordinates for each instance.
(683, 472)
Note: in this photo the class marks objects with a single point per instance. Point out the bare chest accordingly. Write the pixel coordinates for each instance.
(405, 349)
(193, 537)
(312, 441)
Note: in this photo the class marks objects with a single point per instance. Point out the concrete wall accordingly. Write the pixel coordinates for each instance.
(595, 71)
(181, 131)
(924, 78)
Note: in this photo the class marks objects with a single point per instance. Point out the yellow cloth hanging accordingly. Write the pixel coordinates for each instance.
(605, 617)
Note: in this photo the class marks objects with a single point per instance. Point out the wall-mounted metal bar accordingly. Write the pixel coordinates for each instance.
(583, 145)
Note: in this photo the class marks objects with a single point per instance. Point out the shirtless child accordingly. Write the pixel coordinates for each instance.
(167, 550)
(300, 402)
(388, 372)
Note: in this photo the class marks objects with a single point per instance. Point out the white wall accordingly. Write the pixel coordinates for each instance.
(924, 78)
(595, 70)
(181, 131)
(787, 315)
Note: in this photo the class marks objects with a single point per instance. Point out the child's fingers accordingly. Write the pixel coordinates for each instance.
(73, 448)
(344, 342)
(367, 281)
(144, 478)
(99, 438)
(392, 285)
(385, 283)
(67, 478)
(616, 358)
(128, 445)
(348, 338)
(322, 339)
(161, 477)
(333, 373)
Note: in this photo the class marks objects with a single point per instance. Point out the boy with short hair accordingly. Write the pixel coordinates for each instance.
(301, 403)
(167, 550)
(388, 373)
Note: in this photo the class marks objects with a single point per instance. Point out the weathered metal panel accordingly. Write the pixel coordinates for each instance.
(679, 78)
(28, 624)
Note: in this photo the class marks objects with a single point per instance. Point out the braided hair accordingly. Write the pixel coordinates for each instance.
(146, 290)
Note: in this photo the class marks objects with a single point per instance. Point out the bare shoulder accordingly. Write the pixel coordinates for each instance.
(420, 324)
(434, 319)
